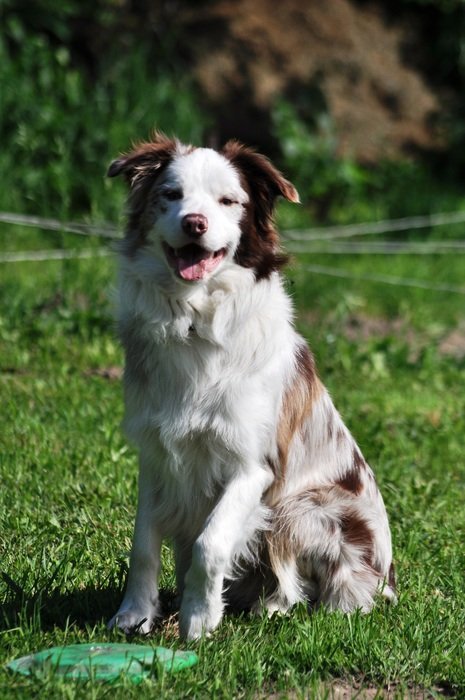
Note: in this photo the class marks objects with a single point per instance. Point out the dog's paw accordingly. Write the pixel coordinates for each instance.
(132, 621)
(270, 606)
(198, 618)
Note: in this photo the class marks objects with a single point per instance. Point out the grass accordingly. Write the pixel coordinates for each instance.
(68, 491)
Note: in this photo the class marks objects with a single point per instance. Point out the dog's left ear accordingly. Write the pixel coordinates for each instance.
(147, 158)
(262, 177)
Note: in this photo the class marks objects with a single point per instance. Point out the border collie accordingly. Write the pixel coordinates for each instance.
(245, 464)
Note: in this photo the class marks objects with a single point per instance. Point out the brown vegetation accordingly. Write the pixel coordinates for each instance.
(338, 55)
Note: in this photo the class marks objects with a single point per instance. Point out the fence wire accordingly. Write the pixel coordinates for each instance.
(296, 241)
(54, 254)
(384, 279)
(101, 230)
(376, 227)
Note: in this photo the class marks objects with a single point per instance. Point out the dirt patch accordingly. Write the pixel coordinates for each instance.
(111, 373)
(341, 56)
(359, 327)
(395, 691)
(453, 344)
(345, 690)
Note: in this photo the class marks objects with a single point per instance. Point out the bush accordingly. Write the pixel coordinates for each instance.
(62, 127)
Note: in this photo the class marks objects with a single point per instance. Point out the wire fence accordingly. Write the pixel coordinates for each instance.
(328, 240)
(384, 279)
(54, 254)
(374, 227)
(321, 233)
(382, 248)
(102, 230)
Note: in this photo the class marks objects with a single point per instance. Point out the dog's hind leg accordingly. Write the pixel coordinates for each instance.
(337, 557)
(289, 589)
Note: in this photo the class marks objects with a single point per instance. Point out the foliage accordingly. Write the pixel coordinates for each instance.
(309, 153)
(77, 87)
(438, 49)
(62, 128)
(341, 190)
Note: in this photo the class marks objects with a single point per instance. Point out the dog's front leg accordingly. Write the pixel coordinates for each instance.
(139, 608)
(224, 534)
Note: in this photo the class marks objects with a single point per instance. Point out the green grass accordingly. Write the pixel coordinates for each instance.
(68, 485)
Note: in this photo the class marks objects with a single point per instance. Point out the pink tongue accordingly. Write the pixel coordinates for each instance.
(191, 268)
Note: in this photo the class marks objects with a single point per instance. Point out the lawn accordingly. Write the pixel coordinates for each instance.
(393, 358)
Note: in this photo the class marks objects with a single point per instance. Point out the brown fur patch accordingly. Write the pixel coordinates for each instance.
(145, 158)
(297, 403)
(359, 460)
(392, 576)
(142, 167)
(259, 247)
(352, 480)
(356, 532)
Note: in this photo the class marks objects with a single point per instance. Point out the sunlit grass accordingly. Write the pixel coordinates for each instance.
(69, 487)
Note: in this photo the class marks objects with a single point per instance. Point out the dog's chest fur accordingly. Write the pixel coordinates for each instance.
(205, 373)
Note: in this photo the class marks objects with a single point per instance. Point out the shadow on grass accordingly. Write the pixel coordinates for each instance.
(81, 608)
(90, 606)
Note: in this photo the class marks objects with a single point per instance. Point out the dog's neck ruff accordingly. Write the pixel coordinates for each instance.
(211, 310)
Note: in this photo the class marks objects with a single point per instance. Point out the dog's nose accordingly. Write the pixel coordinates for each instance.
(195, 225)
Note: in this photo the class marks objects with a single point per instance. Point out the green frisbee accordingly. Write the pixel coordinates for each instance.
(105, 662)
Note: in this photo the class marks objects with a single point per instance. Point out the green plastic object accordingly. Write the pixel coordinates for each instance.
(105, 662)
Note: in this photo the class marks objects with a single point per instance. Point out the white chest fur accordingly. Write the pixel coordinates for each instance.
(204, 372)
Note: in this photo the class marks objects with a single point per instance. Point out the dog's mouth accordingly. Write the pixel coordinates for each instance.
(191, 262)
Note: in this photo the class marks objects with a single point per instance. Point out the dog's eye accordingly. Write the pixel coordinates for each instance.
(227, 201)
(172, 195)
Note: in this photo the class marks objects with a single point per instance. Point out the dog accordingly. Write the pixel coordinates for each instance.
(245, 464)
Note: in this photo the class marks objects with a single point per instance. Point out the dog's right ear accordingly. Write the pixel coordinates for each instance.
(146, 159)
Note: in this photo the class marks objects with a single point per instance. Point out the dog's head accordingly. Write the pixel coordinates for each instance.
(196, 209)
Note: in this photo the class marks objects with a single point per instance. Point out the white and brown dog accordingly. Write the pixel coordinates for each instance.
(245, 464)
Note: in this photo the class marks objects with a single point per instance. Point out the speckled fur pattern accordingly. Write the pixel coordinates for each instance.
(245, 464)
